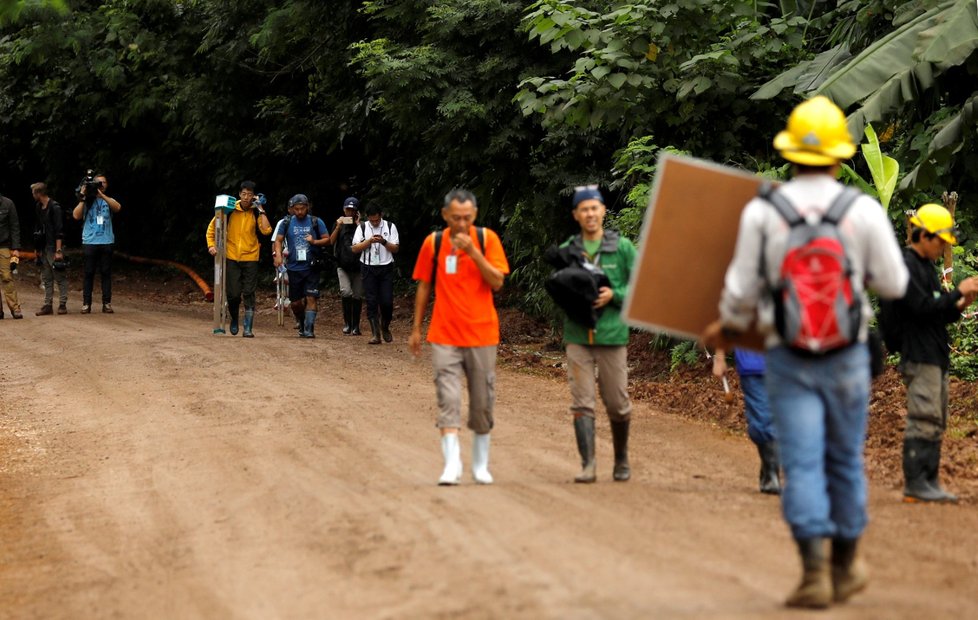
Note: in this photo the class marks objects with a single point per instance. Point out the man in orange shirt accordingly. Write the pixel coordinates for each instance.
(464, 264)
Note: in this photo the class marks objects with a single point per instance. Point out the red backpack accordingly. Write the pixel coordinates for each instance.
(816, 307)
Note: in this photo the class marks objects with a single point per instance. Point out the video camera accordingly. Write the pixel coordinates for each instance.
(91, 186)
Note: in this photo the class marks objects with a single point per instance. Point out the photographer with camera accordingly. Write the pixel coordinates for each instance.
(95, 210)
(305, 234)
(243, 226)
(9, 246)
(49, 242)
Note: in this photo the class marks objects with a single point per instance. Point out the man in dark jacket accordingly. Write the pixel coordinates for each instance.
(9, 246)
(923, 316)
(50, 238)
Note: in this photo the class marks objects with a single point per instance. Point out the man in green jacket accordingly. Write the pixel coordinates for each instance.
(605, 346)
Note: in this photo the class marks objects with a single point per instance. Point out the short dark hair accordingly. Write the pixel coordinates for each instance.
(461, 195)
(809, 169)
(248, 185)
(917, 232)
(372, 208)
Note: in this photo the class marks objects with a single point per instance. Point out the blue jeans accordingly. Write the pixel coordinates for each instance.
(820, 406)
(760, 426)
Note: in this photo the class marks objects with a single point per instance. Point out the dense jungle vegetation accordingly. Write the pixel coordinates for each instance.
(397, 101)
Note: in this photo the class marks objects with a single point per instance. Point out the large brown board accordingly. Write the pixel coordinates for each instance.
(687, 241)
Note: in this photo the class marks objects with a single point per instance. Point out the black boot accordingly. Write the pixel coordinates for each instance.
(619, 437)
(374, 331)
(849, 574)
(815, 589)
(920, 457)
(932, 466)
(347, 307)
(385, 330)
(770, 476)
(584, 431)
(233, 316)
(356, 305)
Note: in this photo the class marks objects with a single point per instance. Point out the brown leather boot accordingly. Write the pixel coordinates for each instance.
(849, 572)
(45, 310)
(815, 589)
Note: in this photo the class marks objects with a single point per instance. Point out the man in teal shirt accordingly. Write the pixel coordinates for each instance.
(603, 347)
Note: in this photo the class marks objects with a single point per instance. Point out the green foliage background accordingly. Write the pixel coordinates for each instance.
(398, 101)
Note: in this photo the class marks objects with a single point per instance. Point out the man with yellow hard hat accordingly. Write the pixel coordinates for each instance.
(818, 391)
(921, 320)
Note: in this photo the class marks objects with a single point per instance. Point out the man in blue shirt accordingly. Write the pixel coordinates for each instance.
(96, 213)
(305, 235)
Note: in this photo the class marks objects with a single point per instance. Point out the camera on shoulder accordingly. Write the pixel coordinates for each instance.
(91, 186)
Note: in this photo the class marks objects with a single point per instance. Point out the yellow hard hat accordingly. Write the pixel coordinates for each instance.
(936, 220)
(816, 135)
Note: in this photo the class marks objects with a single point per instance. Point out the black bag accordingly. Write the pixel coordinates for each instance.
(574, 285)
(343, 252)
(890, 326)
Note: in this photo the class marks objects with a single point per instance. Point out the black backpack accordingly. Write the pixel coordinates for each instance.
(342, 250)
(890, 325)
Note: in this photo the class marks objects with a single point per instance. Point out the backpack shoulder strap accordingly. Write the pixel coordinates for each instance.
(781, 204)
(841, 204)
(434, 257)
(480, 233)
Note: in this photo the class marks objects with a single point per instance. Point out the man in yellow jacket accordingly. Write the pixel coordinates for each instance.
(244, 223)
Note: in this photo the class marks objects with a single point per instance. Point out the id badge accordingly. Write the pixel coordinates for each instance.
(100, 219)
(300, 255)
(451, 264)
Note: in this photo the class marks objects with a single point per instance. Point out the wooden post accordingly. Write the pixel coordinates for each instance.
(950, 200)
(222, 206)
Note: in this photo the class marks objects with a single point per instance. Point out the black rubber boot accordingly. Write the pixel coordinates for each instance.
(356, 305)
(619, 437)
(815, 589)
(385, 330)
(921, 460)
(849, 573)
(249, 322)
(347, 303)
(933, 467)
(374, 331)
(584, 431)
(770, 476)
(233, 316)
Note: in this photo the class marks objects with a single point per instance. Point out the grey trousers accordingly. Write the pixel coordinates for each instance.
(927, 387)
(611, 363)
(478, 364)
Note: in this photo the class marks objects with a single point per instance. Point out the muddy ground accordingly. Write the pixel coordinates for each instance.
(151, 469)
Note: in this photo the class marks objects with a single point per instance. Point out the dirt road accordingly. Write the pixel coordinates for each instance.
(151, 470)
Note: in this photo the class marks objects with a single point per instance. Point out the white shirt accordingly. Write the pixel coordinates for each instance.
(867, 234)
(376, 253)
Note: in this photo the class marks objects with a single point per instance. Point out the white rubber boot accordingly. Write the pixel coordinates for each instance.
(453, 460)
(480, 459)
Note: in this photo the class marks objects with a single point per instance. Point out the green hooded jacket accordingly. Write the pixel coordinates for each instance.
(616, 256)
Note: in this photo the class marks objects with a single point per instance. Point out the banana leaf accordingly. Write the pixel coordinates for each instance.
(884, 169)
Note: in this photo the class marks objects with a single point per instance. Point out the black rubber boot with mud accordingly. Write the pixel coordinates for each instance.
(356, 305)
(849, 572)
(770, 476)
(374, 331)
(584, 431)
(921, 462)
(619, 437)
(347, 311)
(385, 331)
(815, 589)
